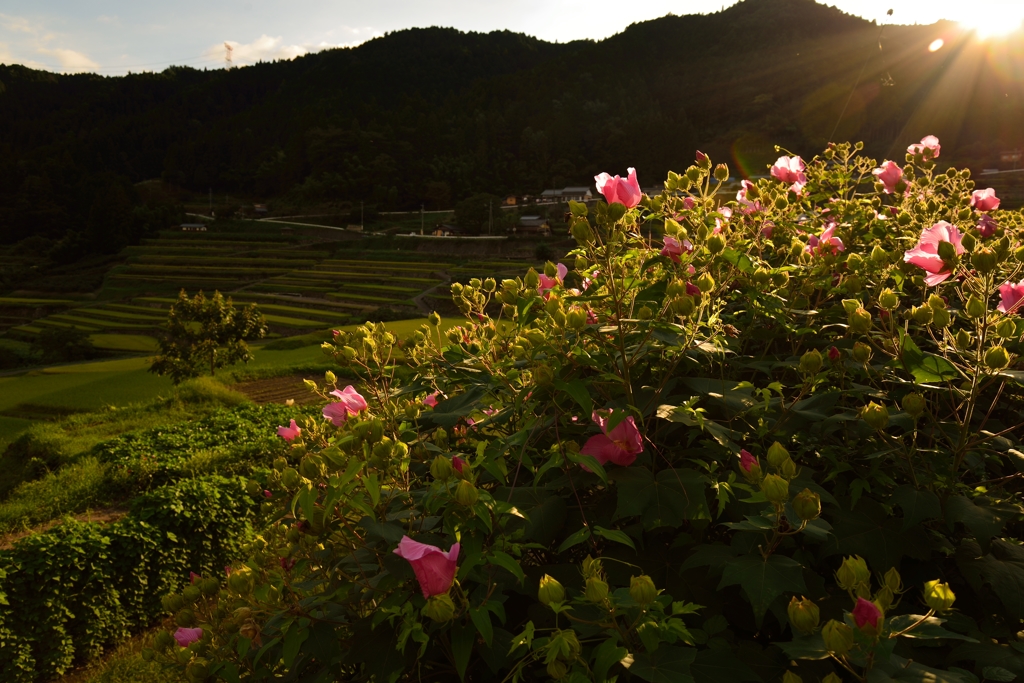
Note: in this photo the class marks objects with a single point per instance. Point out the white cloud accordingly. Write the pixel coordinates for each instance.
(70, 60)
(267, 48)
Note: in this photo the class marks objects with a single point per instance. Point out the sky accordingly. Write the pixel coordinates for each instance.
(112, 37)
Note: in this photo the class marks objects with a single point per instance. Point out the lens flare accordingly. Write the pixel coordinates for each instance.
(992, 24)
(936, 45)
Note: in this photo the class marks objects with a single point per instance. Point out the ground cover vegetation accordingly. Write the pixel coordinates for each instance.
(770, 438)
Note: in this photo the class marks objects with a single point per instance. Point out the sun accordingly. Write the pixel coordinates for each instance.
(991, 24)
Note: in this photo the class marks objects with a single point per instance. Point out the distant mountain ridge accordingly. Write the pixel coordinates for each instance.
(432, 115)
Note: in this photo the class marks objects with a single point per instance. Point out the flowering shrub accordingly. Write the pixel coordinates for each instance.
(769, 438)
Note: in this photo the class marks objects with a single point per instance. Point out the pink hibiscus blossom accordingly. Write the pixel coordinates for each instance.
(1010, 296)
(290, 432)
(616, 190)
(767, 228)
(926, 254)
(749, 206)
(547, 283)
(187, 636)
(928, 142)
(790, 170)
(431, 399)
(434, 568)
(747, 461)
(984, 200)
(458, 463)
(350, 403)
(866, 613)
(674, 248)
(889, 175)
(987, 225)
(692, 289)
(826, 242)
(620, 446)
(688, 203)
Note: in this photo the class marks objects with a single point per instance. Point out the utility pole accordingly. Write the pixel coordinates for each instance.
(490, 215)
(421, 219)
(228, 50)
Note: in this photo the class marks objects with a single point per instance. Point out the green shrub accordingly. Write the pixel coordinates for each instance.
(70, 489)
(207, 390)
(79, 587)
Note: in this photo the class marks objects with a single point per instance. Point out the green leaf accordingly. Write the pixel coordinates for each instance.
(578, 390)
(998, 673)
(463, 637)
(293, 639)
(448, 412)
(805, 647)
(506, 561)
(1002, 569)
(739, 259)
(917, 505)
(925, 367)
(929, 629)
(577, 538)
(664, 665)
(875, 535)
(763, 580)
(614, 535)
(481, 617)
(718, 665)
(606, 655)
(669, 499)
(983, 521)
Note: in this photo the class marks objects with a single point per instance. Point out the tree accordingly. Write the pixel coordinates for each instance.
(63, 344)
(205, 332)
(474, 213)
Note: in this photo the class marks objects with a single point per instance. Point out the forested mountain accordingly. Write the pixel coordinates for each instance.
(433, 115)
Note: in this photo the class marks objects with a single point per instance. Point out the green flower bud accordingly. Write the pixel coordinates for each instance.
(807, 505)
(777, 454)
(532, 280)
(290, 478)
(721, 173)
(349, 353)
(705, 283)
(962, 340)
(790, 677)
(466, 494)
(914, 405)
(209, 587)
(877, 416)
(441, 468)
(878, 255)
(434, 319)
(576, 318)
(852, 573)
(997, 358)
(550, 590)
(172, 602)
(780, 279)
(904, 219)
(596, 590)
(580, 263)
(968, 242)
(975, 307)
(803, 615)
(564, 643)
(191, 594)
(922, 315)
(163, 641)
(1006, 328)
(893, 581)
(550, 269)
(788, 469)
(645, 313)
(241, 580)
(884, 598)
(309, 467)
(940, 318)
(775, 488)
(861, 352)
(851, 306)
(198, 670)
(860, 321)
(716, 244)
(642, 590)
(185, 618)
(810, 362)
(938, 596)
(682, 305)
(946, 251)
(280, 464)
(936, 302)
(253, 488)
(838, 637)
(984, 260)
(693, 174)
(781, 202)
(888, 300)
(761, 277)
(439, 608)
(489, 284)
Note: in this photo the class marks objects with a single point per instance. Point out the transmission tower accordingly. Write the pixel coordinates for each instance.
(227, 55)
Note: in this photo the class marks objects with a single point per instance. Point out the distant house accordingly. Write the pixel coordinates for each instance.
(566, 194)
(354, 228)
(510, 201)
(193, 227)
(532, 225)
(259, 208)
(446, 230)
(551, 196)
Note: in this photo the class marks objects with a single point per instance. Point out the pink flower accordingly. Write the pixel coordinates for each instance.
(726, 214)
(618, 190)
(458, 463)
(267, 494)
(889, 174)
(673, 247)
(833, 354)
(747, 461)
(335, 333)
(1010, 296)
(790, 170)
(591, 317)
(431, 399)
(827, 242)
(767, 228)
(987, 225)
(930, 143)
(434, 568)
(692, 289)
(701, 157)
(689, 203)
(866, 613)
(192, 576)
(290, 432)
(926, 254)
(350, 403)
(984, 200)
(620, 446)
(547, 283)
(187, 636)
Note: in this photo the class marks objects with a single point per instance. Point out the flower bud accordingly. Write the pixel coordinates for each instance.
(290, 478)
(1006, 328)
(788, 469)
(878, 255)
(349, 353)
(309, 467)
(884, 598)
(682, 305)
(775, 488)
(861, 352)
(888, 300)
(968, 242)
(860, 321)
(172, 602)
(877, 416)
(936, 302)
(984, 260)
(832, 677)
(803, 615)
(693, 174)
(185, 618)
(716, 244)
(777, 454)
(642, 590)
(938, 596)
(705, 283)
(852, 573)
(466, 494)
(209, 587)
(532, 280)
(439, 608)
(434, 319)
(834, 355)
(810, 362)
(441, 468)
(940, 318)
(946, 251)
(489, 284)
(790, 677)
(997, 358)
(914, 405)
(596, 590)
(644, 313)
(922, 315)
(721, 173)
(163, 641)
(807, 505)
(962, 340)
(893, 581)
(838, 637)
(198, 670)
(576, 318)
(191, 594)
(550, 590)
(975, 307)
